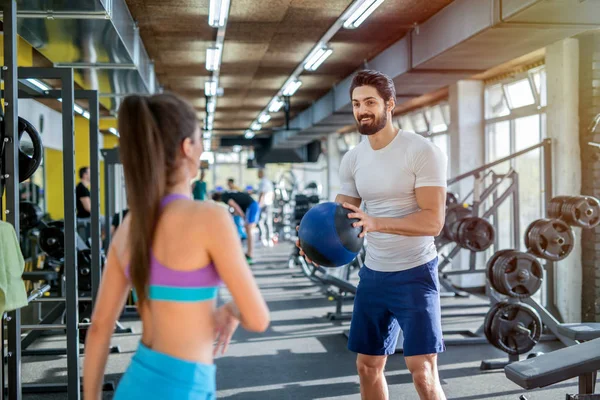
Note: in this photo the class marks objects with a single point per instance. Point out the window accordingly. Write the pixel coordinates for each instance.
(516, 120)
(495, 102)
(437, 122)
(519, 93)
(419, 122)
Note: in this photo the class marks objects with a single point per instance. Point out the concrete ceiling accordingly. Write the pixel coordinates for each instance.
(264, 42)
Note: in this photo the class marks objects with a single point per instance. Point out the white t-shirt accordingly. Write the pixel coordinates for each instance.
(266, 186)
(385, 180)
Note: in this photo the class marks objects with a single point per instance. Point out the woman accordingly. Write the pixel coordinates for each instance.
(175, 252)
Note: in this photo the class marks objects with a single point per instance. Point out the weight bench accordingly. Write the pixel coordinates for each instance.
(580, 360)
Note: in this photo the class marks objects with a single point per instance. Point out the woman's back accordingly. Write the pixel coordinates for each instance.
(183, 329)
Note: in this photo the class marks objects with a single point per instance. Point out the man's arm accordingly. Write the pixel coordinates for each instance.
(86, 202)
(428, 221)
(236, 207)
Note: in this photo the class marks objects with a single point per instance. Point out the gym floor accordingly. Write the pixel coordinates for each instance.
(304, 356)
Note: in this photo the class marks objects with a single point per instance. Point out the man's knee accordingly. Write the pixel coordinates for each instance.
(370, 367)
(423, 371)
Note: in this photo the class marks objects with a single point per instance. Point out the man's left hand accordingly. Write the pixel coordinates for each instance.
(368, 223)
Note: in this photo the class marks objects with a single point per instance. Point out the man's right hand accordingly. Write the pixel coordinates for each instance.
(308, 260)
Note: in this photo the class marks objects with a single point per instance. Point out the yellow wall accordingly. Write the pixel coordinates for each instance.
(54, 192)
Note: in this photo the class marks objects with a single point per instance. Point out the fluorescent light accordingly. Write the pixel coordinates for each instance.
(81, 111)
(206, 144)
(209, 125)
(264, 118)
(236, 148)
(256, 126)
(210, 118)
(114, 131)
(361, 12)
(316, 58)
(217, 13)
(39, 84)
(276, 105)
(291, 87)
(207, 135)
(213, 58)
(249, 134)
(210, 88)
(211, 105)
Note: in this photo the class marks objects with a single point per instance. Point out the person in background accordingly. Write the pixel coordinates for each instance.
(246, 207)
(231, 186)
(199, 187)
(266, 196)
(83, 204)
(82, 193)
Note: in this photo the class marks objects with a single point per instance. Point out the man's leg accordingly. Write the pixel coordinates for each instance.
(425, 376)
(373, 385)
(373, 333)
(269, 212)
(250, 239)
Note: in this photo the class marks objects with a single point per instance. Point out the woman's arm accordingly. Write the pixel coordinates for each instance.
(112, 295)
(227, 254)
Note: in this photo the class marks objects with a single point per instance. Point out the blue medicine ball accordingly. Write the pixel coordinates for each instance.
(327, 236)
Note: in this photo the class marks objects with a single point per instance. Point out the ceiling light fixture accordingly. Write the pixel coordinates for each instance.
(207, 135)
(317, 57)
(249, 134)
(211, 105)
(217, 13)
(276, 105)
(213, 58)
(264, 118)
(292, 87)
(39, 84)
(360, 12)
(236, 148)
(206, 144)
(256, 126)
(114, 131)
(210, 88)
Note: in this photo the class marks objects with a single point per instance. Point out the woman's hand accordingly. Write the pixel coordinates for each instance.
(226, 322)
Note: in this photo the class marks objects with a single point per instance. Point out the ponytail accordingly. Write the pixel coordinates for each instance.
(143, 157)
(152, 130)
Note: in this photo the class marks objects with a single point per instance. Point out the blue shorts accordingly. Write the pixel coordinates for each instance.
(253, 213)
(153, 375)
(386, 302)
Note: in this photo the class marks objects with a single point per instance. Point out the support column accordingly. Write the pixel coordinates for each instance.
(334, 158)
(562, 126)
(467, 147)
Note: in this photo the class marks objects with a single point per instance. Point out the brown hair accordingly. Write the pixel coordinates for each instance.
(381, 82)
(151, 131)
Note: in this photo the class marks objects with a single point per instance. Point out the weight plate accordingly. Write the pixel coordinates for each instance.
(490, 268)
(517, 274)
(551, 239)
(516, 328)
(475, 234)
(454, 214)
(51, 241)
(555, 206)
(29, 161)
(581, 211)
(487, 323)
(30, 215)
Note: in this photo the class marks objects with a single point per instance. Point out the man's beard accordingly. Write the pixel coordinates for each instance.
(375, 126)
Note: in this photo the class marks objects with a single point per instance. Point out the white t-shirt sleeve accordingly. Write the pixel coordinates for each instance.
(347, 182)
(430, 166)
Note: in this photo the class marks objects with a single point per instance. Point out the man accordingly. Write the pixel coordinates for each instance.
(83, 204)
(401, 178)
(199, 188)
(232, 186)
(266, 195)
(246, 207)
(82, 193)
